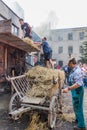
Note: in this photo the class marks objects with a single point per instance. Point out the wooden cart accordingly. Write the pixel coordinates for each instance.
(20, 102)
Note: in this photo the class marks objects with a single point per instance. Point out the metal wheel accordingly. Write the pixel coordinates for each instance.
(14, 103)
(53, 112)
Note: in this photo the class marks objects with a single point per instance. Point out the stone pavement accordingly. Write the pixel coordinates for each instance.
(85, 105)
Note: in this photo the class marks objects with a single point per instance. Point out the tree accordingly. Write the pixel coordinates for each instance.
(84, 53)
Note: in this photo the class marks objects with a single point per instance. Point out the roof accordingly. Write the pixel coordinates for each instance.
(35, 37)
(14, 41)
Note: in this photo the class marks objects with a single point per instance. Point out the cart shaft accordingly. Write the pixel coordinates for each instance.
(36, 107)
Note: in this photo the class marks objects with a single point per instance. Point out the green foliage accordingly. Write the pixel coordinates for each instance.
(84, 53)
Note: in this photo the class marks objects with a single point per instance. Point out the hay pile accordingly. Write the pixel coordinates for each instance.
(41, 80)
(33, 47)
(37, 124)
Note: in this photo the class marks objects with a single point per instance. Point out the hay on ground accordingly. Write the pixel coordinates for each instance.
(36, 124)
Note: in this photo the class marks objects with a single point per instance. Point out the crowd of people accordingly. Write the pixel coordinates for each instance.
(83, 68)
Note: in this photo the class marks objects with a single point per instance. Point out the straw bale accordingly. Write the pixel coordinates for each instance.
(41, 80)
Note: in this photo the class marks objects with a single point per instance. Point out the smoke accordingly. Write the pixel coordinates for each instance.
(50, 23)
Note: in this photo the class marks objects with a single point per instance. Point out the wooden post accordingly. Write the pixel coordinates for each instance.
(60, 95)
(6, 60)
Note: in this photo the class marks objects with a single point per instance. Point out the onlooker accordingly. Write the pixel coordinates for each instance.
(47, 52)
(58, 67)
(67, 71)
(76, 86)
(27, 30)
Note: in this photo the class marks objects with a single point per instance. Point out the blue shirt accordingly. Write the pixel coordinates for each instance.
(46, 47)
(77, 76)
(26, 29)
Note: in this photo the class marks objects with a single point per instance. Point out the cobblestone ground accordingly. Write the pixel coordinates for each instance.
(7, 124)
(85, 105)
(68, 110)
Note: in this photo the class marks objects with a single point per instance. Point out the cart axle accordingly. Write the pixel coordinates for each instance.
(17, 113)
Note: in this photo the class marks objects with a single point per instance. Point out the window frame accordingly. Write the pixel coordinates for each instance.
(60, 49)
(70, 36)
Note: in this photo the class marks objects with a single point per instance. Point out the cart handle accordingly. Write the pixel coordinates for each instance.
(8, 78)
(55, 81)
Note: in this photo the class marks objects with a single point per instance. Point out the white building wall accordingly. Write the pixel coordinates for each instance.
(59, 38)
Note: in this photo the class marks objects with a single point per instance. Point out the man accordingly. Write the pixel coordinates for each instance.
(27, 30)
(47, 52)
(77, 90)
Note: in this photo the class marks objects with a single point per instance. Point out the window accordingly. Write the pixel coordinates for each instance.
(80, 49)
(15, 30)
(81, 35)
(70, 36)
(70, 50)
(60, 50)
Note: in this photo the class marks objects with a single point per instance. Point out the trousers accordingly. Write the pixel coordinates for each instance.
(77, 101)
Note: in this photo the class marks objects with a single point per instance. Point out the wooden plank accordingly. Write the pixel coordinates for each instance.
(10, 44)
(32, 100)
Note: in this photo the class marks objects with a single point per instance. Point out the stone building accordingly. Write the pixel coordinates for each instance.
(67, 43)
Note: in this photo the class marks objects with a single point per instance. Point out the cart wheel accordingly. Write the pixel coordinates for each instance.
(14, 103)
(53, 112)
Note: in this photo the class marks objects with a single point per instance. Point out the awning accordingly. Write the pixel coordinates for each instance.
(14, 41)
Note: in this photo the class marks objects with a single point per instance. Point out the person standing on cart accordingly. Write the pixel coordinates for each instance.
(47, 52)
(27, 30)
(77, 90)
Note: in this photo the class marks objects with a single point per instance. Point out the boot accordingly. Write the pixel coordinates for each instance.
(75, 121)
(78, 128)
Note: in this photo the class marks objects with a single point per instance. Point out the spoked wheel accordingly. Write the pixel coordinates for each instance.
(53, 112)
(15, 104)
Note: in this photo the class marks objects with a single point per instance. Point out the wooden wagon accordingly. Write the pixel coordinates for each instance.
(21, 102)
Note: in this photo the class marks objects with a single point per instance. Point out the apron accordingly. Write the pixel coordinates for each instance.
(77, 101)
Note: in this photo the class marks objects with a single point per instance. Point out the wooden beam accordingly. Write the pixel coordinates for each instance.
(5, 26)
(5, 59)
(8, 43)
